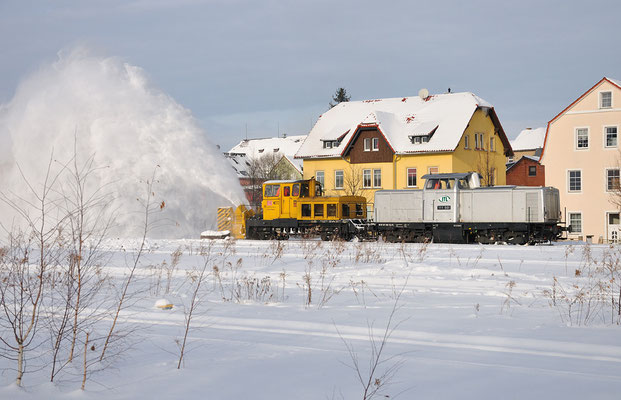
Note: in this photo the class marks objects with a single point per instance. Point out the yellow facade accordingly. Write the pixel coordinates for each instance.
(488, 159)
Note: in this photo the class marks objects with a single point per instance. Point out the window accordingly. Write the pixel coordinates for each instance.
(306, 210)
(377, 178)
(575, 180)
(582, 138)
(479, 143)
(286, 190)
(433, 170)
(612, 179)
(359, 210)
(411, 177)
(272, 191)
(331, 210)
(605, 99)
(345, 210)
(320, 177)
(296, 190)
(492, 176)
(276, 150)
(318, 210)
(466, 142)
(611, 136)
(367, 144)
(575, 221)
(491, 144)
(338, 179)
(327, 145)
(532, 170)
(375, 144)
(366, 178)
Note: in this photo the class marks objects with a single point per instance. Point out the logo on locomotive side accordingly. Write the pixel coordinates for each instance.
(444, 199)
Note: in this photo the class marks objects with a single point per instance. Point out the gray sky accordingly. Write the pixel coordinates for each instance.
(274, 65)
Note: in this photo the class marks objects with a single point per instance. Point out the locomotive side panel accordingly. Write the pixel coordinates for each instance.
(398, 206)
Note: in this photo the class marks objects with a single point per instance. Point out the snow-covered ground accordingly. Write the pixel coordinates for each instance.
(471, 321)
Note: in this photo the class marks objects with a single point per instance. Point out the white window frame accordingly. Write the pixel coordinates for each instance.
(476, 141)
(336, 173)
(606, 136)
(491, 144)
(375, 183)
(588, 134)
(467, 142)
(321, 180)
(407, 177)
(375, 144)
(367, 144)
(367, 173)
(569, 171)
(601, 99)
(569, 214)
(606, 177)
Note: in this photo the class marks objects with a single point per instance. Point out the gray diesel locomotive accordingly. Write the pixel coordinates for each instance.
(454, 208)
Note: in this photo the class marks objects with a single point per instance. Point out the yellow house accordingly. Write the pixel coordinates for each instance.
(359, 147)
(581, 157)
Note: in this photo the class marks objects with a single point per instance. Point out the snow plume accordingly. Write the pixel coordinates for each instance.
(109, 110)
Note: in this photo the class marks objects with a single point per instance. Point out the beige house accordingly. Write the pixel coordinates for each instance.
(581, 159)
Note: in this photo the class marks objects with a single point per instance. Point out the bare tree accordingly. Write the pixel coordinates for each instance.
(486, 168)
(25, 264)
(149, 208)
(196, 278)
(353, 181)
(88, 220)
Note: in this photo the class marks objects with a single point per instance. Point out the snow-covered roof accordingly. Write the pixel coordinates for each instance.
(296, 162)
(240, 164)
(398, 119)
(255, 148)
(529, 139)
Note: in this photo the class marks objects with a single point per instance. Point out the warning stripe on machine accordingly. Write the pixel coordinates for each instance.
(225, 218)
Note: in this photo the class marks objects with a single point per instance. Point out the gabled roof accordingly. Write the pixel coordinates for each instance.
(614, 82)
(529, 139)
(240, 164)
(398, 119)
(512, 164)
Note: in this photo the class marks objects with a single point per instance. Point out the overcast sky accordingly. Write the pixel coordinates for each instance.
(273, 65)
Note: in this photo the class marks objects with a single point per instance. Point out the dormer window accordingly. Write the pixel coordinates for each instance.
(276, 150)
(261, 150)
(418, 139)
(328, 144)
(605, 99)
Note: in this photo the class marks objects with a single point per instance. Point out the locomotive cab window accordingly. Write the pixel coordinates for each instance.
(272, 190)
(286, 191)
(318, 190)
(304, 190)
(296, 190)
(439, 184)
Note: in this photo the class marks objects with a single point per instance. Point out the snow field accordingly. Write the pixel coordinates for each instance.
(472, 321)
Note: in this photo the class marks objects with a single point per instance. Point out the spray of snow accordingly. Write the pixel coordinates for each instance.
(109, 110)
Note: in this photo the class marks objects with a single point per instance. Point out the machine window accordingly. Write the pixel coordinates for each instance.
(306, 210)
(345, 211)
(272, 191)
(331, 210)
(359, 210)
(286, 191)
(296, 190)
(318, 210)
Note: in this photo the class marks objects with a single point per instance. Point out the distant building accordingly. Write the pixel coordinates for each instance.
(581, 157)
(256, 160)
(528, 143)
(527, 171)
